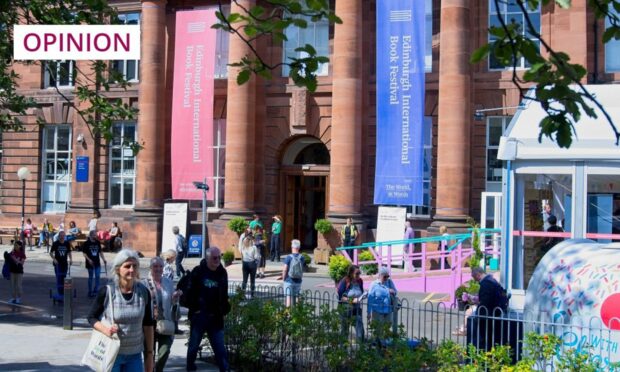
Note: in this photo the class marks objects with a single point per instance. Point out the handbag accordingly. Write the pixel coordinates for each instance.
(6, 270)
(162, 326)
(102, 350)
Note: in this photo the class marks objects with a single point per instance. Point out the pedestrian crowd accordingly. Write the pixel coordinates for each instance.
(143, 314)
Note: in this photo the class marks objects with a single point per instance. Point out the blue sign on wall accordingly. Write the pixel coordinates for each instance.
(399, 171)
(81, 169)
(194, 245)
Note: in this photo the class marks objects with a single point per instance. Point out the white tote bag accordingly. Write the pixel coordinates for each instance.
(102, 350)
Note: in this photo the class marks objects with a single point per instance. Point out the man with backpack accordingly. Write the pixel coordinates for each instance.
(293, 272)
(180, 246)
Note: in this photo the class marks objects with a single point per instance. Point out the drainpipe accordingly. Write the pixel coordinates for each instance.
(595, 73)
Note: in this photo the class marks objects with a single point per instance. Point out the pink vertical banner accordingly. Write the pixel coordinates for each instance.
(192, 103)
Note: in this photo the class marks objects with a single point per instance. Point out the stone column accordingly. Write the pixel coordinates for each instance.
(453, 159)
(143, 230)
(150, 130)
(346, 133)
(240, 129)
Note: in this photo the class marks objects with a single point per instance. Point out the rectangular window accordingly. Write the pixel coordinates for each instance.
(130, 68)
(59, 74)
(122, 166)
(221, 49)
(496, 126)
(612, 50)
(56, 173)
(425, 209)
(510, 13)
(219, 150)
(316, 34)
(428, 37)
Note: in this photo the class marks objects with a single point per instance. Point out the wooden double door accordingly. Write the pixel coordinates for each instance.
(305, 202)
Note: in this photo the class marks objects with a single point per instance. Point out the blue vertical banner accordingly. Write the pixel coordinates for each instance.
(399, 171)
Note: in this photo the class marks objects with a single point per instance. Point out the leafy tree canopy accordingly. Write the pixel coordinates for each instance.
(272, 20)
(551, 71)
(91, 83)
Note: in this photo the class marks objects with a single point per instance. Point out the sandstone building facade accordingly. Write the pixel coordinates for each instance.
(283, 150)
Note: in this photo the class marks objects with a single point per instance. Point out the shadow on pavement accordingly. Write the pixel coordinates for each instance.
(38, 366)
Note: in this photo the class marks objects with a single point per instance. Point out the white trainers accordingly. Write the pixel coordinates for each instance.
(18, 300)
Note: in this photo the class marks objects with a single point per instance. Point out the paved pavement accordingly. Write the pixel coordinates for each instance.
(32, 337)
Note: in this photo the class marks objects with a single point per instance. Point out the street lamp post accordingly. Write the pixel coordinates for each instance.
(23, 174)
(204, 187)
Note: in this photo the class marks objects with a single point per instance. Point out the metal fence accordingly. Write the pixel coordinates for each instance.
(413, 321)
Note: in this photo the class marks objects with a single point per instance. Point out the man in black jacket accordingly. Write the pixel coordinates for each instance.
(207, 301)
(492, 304)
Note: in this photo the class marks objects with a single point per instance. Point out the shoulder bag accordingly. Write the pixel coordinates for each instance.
(102, 350)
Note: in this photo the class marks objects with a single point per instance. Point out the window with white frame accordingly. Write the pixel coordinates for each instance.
(612, 49)
(58, 74)
(428, 42)
(424, 210)
(511, 13)
(221, 49)
(129, 68)
(122, 166)
(496, 127)
(56, 172)
(316, 34)
(220, 159)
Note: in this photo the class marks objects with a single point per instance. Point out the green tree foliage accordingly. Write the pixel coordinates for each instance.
(551, 72)
(92, 83)
(272, 20)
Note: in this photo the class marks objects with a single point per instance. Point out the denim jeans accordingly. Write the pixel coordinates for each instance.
(43, 236)
(179, 259)
(128, 363)
(96, 273)
(249, 269)
(199, 325)
(60, 279)
(274, 247)
(352, 315)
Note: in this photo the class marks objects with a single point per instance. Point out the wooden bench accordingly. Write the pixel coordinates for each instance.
(7, 233)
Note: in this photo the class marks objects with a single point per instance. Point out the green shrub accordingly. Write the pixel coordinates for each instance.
(338, 266)
(307, 259)
(323, 226)
(228, 257)
(458, 294)
(368, 269)
(238, 225)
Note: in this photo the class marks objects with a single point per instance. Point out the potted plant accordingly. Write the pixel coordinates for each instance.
(321, 253)
(228, 257)
(368, 269)
(307, 260)
(323, 226)
(238, 225)
(338, 266)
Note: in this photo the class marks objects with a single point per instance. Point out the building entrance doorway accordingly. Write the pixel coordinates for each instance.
(305, 179)
(305, 204)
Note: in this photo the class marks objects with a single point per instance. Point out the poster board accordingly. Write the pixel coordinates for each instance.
(391, 226)
(175, 214)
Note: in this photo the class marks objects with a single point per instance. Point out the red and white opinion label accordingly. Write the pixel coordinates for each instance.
(76, 42)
